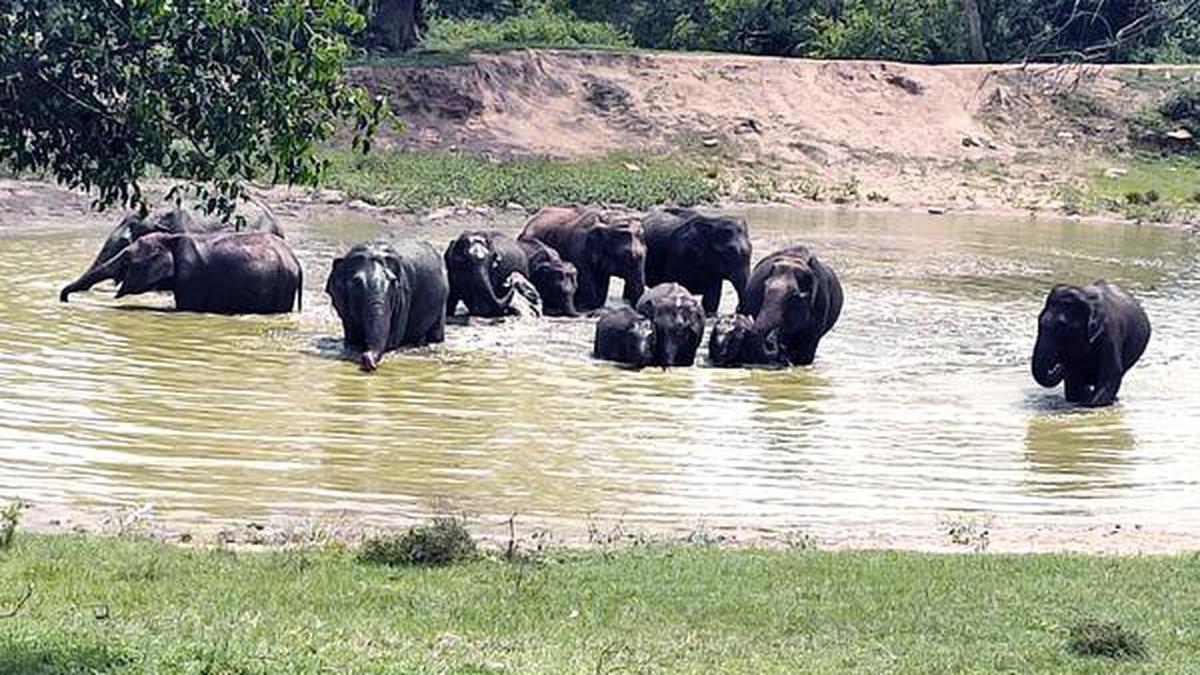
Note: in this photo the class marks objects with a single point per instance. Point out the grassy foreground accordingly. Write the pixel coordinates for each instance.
(103, 605)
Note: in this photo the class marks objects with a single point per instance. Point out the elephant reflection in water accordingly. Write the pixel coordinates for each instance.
(1077, 453)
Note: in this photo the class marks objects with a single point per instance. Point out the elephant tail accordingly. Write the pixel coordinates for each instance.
(300, 290)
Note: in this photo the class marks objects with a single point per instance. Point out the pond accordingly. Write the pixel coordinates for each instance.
(920, 404)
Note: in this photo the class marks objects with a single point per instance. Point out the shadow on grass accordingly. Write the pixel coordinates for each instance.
(30, 659)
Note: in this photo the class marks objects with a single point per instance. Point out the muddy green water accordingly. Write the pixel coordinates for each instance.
(920, 404)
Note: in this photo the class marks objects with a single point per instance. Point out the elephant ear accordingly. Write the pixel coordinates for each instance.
(597, 237)
(1096, 318)
(335, 275)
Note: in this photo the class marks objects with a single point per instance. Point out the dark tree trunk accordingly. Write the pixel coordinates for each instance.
(397, 24)
(975, 30)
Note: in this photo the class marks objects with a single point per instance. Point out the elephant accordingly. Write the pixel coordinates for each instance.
(598, 250)
(480, 265)
(795, 300)
(698, 251)
(556, 280)
(733, 343)
(625, 336)
(389, 297)
(1089, 338)
(678, 319)
(176, 221)
(224, 273)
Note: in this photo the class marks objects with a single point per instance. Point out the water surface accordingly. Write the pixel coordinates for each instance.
(920, 404)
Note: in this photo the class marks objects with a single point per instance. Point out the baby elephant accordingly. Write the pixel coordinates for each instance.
(624, 336)
(734, 343)
(253, 273)
(678, 319)
(1088, 338)
(389, 297)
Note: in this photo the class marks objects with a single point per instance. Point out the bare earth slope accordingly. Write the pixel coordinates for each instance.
(970, 136)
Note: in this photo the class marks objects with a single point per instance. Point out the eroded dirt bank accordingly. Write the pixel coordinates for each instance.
(956, 137)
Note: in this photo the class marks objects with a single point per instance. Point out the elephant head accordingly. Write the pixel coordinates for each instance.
(558, 282)
(718, 243)
(148, 264)
(624, 335)
(1072, 320)
(620, 251)
(792, 304)
(470, 261)
(371, 293)
(678, 321)
(134, 227)
(734, 342)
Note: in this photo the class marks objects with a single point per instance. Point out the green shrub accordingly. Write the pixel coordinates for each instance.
(444, 542)
(923, 31)
(1180, 110)
(10, 517)
(538, 27)
(1106, 640)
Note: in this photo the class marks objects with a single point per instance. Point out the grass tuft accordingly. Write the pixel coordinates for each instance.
(444, 542)
(10, 517)
(1106, 639)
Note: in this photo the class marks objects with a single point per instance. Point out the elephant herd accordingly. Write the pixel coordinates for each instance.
(673, 264)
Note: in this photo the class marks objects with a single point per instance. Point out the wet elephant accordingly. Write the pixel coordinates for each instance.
(480, 266)
(733, 343)
(555, 279)
(389, 296)
(625, 336)
(699, 251)
(1088, 338)
(224, 273)
(176, 221)
(795, 300)
(598, 250)
(678, 319)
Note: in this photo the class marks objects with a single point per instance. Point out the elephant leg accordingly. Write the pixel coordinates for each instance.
(452, 304)
(803, 354)
(1077, 390)
(1108, 385)
(437, 333)
(712, 298)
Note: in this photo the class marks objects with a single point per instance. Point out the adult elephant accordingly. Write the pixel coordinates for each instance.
(226, 273)
(1089, 337)
(699, 251)
(176, 221)
(795, 300)
(480, 267)
(389, 297)
(678, 320)
(598, 250)
(555, 279)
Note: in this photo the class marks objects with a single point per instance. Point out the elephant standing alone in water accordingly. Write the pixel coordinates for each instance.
(1088, 338)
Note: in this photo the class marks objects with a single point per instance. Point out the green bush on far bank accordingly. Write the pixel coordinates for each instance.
(425, 180)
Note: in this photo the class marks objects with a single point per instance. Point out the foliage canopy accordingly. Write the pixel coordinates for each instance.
(218, 92)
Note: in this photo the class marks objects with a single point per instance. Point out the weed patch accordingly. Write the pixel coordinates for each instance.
(444, 542)
(1106, 639)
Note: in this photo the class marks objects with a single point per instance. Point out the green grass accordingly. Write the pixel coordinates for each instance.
(432, 180)
(1150, 189)
(124, 606)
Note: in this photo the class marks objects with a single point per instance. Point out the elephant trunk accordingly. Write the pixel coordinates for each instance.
(769, 318)
(376, 328)
(490, 304)
(739, 279)
(108, 270)
(1046, 365)
(635, 284)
